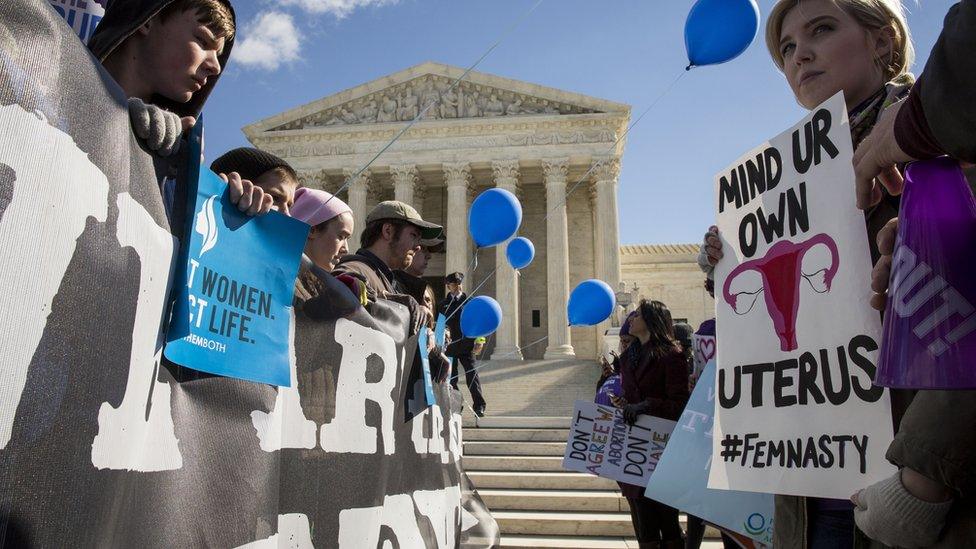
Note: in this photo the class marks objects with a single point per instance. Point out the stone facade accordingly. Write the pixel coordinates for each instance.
(669, 273)
(487, 131)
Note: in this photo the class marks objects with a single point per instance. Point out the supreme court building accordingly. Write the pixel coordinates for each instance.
(489, 131)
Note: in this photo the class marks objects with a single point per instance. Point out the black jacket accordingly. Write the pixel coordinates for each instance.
(448, 307)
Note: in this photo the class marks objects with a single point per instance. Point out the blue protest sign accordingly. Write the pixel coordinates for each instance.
(682, 473)
(439, 330)
(425, 361)
(235, 285)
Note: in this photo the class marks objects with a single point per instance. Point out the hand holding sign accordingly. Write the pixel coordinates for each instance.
(238, 273)
(797, 412)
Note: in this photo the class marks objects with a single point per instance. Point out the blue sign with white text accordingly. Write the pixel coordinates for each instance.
(425, 362)
(233, 306)
(681, 477)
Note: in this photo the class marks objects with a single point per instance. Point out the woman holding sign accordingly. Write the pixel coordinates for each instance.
(863, 48)
(654, 379)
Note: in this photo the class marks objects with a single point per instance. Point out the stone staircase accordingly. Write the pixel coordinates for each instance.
(514, 458)
(515, 462)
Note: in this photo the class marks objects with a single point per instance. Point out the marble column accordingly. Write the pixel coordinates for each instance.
(607, 251)
(358, 190)
(506, 174)
(457, 177)
(405, 184)
(557, 258)
(606, 244)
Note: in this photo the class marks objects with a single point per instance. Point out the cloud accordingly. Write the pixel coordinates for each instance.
(270, 40)
(338, 8)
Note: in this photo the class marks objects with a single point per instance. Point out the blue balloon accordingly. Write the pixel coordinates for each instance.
(480, 317)
(495, 216)
(520, 252)
(591, 302)
(717, 31)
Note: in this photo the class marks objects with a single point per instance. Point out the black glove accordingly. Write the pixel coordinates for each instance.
(631, 411)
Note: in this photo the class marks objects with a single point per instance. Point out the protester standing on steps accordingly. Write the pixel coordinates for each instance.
(608, 386)
(863, 48)
(654, 377)
(462, 348)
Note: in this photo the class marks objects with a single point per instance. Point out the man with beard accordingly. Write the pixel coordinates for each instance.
(392, 237)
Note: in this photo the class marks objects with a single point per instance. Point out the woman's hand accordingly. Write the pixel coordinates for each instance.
(876, 160)
(631, 411)
(711, 250)
(882, 269)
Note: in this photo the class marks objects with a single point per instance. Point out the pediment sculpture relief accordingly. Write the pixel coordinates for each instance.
(404, 102)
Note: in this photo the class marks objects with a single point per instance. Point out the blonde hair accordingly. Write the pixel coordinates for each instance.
(870, 14)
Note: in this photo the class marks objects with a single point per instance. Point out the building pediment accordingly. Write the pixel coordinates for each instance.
(400, 97)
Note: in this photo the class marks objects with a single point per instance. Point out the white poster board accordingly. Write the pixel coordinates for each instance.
(601, 443)
(796, 411)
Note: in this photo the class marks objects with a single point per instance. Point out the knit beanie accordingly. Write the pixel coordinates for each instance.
(250, 163)
(315, 207)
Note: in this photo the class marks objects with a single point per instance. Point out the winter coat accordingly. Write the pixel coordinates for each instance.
(661, 383)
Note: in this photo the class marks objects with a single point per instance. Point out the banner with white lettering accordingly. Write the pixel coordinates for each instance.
(81, 15)
(797, 412)
(102, 443)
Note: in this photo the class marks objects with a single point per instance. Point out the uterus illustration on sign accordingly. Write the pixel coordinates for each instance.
(777, 276)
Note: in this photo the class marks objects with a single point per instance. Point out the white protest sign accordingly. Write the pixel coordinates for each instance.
(703, 350)
(796, 412)
(588, 436)
(634, 450)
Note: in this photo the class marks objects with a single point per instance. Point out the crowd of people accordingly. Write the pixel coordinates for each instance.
(863, 48)
(167, 55)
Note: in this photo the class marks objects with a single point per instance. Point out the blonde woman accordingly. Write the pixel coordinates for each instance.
(863, 48)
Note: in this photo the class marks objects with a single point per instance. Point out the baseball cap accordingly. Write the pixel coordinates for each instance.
(394, 209)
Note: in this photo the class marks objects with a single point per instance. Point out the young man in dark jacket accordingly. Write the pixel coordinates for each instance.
(391, 238)
(167, 55)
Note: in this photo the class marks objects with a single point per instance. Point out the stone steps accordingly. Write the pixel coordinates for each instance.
(512, 463)
(515, 541)
(555, 500)
(539, 480)
(515, 463)
(515, 422)
(507, 448)
(564, 524)
(522, 434)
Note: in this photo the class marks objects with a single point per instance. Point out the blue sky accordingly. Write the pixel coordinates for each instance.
(291, 52)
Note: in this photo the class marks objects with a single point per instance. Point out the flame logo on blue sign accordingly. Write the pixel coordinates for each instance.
(206, 225)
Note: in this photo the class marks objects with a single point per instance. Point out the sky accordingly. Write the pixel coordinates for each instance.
(291, 52)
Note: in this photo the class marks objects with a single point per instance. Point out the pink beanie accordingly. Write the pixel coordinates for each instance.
(314, 206)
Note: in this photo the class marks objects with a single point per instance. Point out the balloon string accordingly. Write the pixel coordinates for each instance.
(513, 353)
(474, 261)
(614, 145)
(472, 294)
(421, 114)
